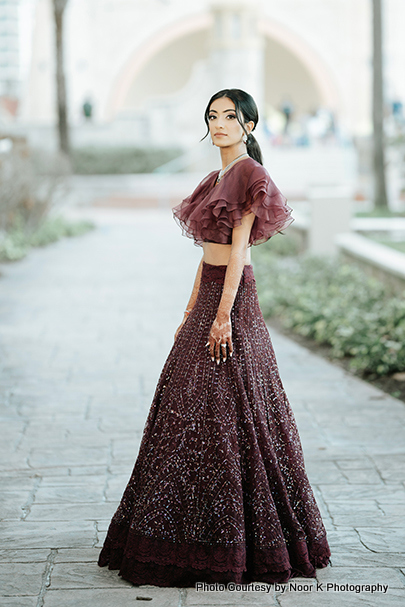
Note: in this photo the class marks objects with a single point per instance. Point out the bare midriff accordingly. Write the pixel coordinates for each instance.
(218, 254)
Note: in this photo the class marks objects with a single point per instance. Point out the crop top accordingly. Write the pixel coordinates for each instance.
(211, 212)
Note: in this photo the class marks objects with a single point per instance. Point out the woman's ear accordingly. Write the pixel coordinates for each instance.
(250, 126)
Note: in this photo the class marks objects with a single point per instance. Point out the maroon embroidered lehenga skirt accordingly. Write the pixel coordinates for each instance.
(219, 491)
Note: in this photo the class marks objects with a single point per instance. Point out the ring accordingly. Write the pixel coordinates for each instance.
(223, 345)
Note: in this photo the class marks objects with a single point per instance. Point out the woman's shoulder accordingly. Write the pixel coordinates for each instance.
(246, 168)
(243, 175)
(257, 169)
(250, 169)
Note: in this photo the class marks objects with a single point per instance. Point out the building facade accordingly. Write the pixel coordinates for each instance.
(147, 67)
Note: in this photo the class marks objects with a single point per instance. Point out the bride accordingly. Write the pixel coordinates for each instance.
(219, 491)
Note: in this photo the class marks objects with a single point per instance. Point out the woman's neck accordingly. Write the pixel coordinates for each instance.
(229, 154)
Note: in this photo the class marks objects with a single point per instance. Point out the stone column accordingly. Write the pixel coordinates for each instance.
(236, 48)
(331, 213)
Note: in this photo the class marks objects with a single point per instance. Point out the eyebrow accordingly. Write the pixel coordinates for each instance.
(230, 110)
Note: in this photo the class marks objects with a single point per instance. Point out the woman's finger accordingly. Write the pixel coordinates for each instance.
(218, 349)
(216, 352)
(211, 344)
(230, 347)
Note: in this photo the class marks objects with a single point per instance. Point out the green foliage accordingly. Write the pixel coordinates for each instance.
(16, 243)
(281, 244)
(57, 227)
(337, 304)
(380, 212)
(125, 160)
(13, 247)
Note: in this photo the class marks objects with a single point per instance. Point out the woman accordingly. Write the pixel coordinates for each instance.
(219, 491)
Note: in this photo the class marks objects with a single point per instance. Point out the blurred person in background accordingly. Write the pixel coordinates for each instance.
(87, 109)
(287, 109)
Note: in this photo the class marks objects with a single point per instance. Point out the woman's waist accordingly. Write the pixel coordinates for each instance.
(216, 273)
(217, 254)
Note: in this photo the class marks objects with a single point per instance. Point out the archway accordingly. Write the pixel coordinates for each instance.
(308, 58)
(291, 65)
(149, 51)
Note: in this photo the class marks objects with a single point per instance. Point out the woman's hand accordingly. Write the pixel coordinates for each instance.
(220, 338)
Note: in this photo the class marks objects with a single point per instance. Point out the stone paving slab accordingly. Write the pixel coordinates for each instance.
(80, 555)
(221, 598)
(27, 582)
(19, 601)
(395, 598)
(382, 540)
(73, 512)
(39, 534)
(83, 338)
(356, 557)
(117, 597)
(84, 575)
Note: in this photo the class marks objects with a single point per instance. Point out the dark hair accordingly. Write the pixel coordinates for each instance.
(246, 111)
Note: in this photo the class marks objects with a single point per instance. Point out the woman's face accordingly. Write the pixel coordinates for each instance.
(224, 127)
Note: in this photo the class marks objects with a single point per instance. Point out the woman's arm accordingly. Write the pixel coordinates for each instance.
(221, 330)
(196, 288)
(193, 297)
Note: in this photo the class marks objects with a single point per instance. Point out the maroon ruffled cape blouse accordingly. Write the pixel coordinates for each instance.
(211, 212)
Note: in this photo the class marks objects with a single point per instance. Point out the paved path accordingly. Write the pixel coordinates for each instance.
(85, 327)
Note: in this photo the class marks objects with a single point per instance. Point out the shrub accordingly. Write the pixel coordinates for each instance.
(57, 227)
(17, 242)
(31, 184)
(337, 304)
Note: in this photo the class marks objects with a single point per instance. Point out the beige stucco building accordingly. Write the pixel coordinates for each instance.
(149, 66)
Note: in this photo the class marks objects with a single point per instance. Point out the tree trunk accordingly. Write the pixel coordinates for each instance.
(63, 127)
(380, 188)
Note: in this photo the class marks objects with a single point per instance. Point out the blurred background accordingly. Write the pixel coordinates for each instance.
(101, 121)
(137, 75)
(102, 103)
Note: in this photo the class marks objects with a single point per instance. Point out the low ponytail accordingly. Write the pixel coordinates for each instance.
(253, 148)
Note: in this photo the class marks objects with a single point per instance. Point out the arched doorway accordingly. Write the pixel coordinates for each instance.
(160, 53)
(165, 63)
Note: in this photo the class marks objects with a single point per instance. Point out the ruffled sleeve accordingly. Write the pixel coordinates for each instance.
(212, 211)
(269, 205)
(188, 214)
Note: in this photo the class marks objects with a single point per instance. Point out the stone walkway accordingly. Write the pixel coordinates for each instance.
(85, 327)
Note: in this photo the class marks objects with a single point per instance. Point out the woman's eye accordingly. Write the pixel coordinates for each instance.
(231, 116)
(212, 116)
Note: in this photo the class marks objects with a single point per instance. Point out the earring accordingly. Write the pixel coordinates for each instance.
(244, 138)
